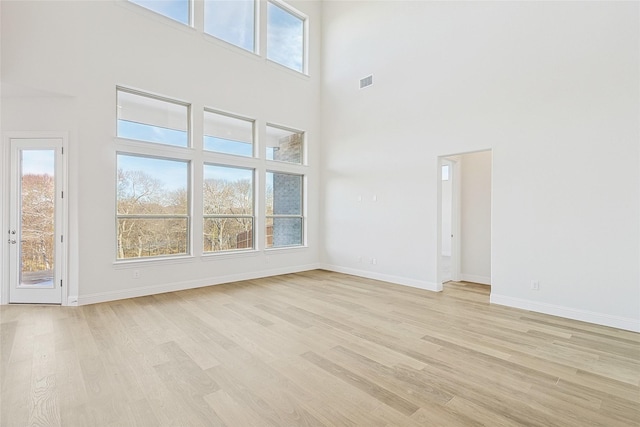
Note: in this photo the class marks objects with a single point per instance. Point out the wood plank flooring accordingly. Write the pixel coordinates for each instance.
(313, 349)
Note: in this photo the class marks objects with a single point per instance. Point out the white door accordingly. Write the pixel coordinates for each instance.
(35, 240)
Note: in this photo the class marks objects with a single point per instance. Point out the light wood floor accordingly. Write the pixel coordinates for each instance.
(313, 348)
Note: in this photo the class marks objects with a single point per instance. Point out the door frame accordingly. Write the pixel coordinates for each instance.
(454, 175)
(5, 202)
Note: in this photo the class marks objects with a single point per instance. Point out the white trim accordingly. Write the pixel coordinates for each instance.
(483, 280)
(191, 284)
(625, 323)
(397, 280)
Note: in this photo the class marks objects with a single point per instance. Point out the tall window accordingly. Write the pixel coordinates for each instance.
(284, 145)
(156, 164)
(232, 21)
(152, 119)
(227, 134)
(284, 213)
(152, 206)
(285, 36)
(228, 208)
(178, 10)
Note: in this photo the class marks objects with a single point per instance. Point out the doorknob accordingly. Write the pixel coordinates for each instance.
(12, 242)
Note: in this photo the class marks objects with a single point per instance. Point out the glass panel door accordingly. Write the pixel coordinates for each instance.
(35, 234)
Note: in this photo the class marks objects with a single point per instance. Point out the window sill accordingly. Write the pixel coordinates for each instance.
(136, 263)
(284, 249)
(214, 256)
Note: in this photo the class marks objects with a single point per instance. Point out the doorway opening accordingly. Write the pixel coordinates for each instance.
(464, 218)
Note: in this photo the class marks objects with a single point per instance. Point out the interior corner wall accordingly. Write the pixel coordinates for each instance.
(550, 87)
(475, 217)
(64, 59)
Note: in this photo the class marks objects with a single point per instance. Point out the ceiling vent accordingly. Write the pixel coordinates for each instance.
(367, 81)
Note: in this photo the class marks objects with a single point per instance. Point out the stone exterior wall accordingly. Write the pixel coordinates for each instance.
(287, 193)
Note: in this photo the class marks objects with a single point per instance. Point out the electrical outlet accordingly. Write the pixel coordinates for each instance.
(136, 274)
(535, 285)
(359, 259)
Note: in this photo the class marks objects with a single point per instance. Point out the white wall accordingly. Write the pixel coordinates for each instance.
(551, 88)
(79, 51)
(475, 217)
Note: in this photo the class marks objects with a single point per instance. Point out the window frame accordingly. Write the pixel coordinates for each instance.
(253, 218)
(189, 124)
(254, 151)
(305, 35)
(301, 216)
(188, 215)
(256, 28)
(303, 148)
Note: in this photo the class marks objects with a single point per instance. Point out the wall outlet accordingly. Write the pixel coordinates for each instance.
(535, 285)
(359, 259)
(136, 274)
(374, 261)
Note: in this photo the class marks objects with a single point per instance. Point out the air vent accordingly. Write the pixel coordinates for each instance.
(367, 81)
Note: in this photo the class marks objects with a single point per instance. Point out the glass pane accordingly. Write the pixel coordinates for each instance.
(141, 237)
(37, 219)
(151, 186)
(228, 234)
(283, 232)
(152, 120)
(174, 9)
(228, 135)
(227, 190)
(445, 172)
(283, 194)
(284, 145)
(285, 37)
(231, 21)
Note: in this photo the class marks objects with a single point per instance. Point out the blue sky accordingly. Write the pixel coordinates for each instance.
(225, 173)
(228, 146)
(38, 162)
(231, 21)
(174, 9)
(285, 37)
(174, 175)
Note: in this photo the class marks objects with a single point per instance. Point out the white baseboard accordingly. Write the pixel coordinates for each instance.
(625, 323)
(483, 280)
(191, 284)
(420, 284)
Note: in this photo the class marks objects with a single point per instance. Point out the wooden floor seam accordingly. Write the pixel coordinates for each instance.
(313, 349)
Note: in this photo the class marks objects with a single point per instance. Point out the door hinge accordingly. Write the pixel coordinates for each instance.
(60, 282)
(62, 194)
(62, 150)
(61, 238)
